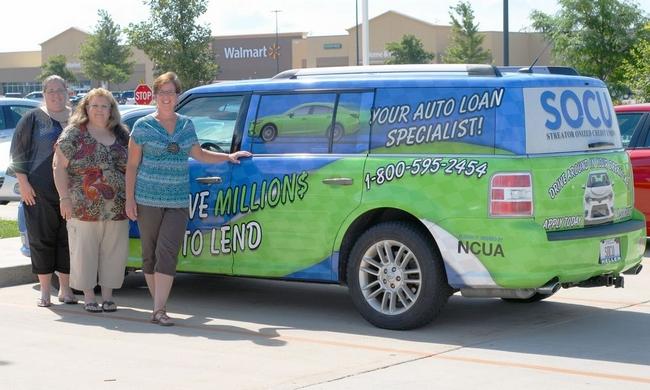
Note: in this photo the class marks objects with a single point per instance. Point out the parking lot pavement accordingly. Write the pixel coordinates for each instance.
(9, 211)
(236, 333)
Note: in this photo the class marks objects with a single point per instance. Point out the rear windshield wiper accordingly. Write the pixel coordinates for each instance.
(600, 144)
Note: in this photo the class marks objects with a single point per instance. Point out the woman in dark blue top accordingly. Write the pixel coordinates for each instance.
(32, 149)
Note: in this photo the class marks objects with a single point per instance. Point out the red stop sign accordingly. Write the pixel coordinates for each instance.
(143, 94)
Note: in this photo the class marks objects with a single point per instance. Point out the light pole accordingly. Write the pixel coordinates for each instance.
(356, 20)
(506, 35)
(277, 45)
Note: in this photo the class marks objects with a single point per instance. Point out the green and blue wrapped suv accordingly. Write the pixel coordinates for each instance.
(443, 179)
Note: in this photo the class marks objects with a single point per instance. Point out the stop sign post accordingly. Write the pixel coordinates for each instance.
(143, 94)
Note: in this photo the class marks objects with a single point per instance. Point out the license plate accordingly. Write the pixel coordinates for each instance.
(610, 250)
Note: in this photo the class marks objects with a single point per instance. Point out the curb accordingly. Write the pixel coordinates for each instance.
(19, 274)
(15, 268)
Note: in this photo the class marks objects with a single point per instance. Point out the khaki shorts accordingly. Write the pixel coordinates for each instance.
(98, 253)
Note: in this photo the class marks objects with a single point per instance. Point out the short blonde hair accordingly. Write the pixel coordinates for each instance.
(169, 77)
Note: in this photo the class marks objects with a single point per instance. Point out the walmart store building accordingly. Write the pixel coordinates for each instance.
(264, 55)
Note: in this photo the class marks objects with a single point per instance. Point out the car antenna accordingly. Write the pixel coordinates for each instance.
(530, 68)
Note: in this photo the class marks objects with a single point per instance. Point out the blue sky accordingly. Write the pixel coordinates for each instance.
(36, 21)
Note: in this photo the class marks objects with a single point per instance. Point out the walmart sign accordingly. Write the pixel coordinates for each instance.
(241, 52)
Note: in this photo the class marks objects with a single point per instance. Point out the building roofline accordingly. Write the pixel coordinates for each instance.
(402, 15)
(63, 32)
(270, 35)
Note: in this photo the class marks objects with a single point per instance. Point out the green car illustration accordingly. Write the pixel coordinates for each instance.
(308, 119)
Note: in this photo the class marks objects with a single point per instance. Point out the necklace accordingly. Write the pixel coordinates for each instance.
(172, 146)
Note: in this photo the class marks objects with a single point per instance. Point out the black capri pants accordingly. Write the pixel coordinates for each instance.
(48, 237)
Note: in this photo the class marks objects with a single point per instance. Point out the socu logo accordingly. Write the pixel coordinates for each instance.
(571, 109)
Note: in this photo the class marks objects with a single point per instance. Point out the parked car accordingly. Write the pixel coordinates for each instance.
(634, 123)
(9, 191)
(11, 110)
(118, 97)
(130, 114)
(312, 118)
(128, 97)
(598, 198)
(36, 95)
(74, 100)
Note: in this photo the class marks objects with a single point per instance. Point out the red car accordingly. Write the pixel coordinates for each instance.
(634, 122)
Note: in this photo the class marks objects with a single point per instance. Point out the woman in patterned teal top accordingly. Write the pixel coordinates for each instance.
(157, 187)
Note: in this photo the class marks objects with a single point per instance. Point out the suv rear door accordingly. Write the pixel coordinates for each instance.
(300, 185)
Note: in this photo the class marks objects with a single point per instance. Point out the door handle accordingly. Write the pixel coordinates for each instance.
(338, 181)
(209, 180)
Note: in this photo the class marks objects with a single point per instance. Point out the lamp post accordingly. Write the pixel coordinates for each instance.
(506, 35)
(356, 21)
(277, 45)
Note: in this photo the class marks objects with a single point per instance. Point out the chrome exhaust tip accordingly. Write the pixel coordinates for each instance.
(549, 288)
(634, 270)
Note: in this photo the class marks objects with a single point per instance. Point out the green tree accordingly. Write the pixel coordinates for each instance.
(408, 51)
(56, 65)
(465, 46)
(175, 42)
(102, 56)
(594, 36)
(637, 70)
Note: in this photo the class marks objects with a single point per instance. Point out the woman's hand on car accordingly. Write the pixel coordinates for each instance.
(234, 157)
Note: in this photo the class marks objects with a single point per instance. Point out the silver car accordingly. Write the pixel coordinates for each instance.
(11, 110)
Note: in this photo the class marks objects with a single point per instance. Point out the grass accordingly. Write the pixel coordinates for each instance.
(8, 229)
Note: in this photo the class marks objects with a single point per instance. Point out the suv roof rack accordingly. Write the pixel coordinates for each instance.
(565, 70)
(460, 69)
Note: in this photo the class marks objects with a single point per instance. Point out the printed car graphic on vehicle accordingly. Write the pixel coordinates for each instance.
(599, 198)
(314, 118)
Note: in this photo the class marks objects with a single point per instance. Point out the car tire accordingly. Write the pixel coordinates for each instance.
(268, 132)
(337, 133)
(414, 288)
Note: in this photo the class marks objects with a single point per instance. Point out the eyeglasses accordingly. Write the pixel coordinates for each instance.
(99, 106)
(166, 93)
(56, 92)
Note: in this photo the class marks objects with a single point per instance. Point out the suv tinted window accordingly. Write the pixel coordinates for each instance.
(215, 119)
(296, 123)
(352, 126)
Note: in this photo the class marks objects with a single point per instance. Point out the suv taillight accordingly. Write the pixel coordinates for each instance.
(511, 195)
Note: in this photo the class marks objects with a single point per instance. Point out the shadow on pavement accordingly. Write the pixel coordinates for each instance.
(544, 328)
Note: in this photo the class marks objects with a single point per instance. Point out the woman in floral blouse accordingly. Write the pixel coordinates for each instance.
(89, 165)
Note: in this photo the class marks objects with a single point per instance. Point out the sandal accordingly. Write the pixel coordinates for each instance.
(109, 306)
(92, 307)
(161, 318)
(40, 302)
(68, 300)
